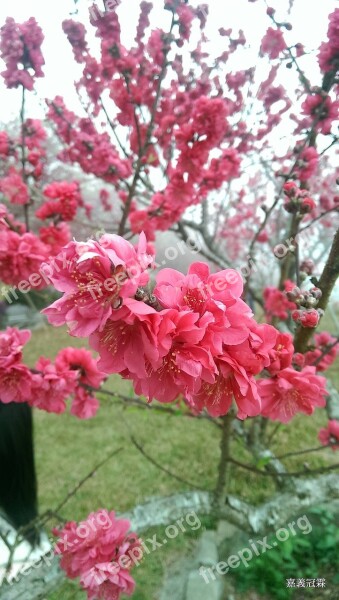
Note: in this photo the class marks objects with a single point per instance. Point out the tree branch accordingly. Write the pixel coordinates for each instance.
(326, 283)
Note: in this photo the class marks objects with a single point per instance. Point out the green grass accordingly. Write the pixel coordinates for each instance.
(67, 449)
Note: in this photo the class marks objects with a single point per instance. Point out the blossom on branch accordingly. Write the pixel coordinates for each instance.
(15, 377)
(290, 392)
(273, 43)
(100, 550)
(324, 348)
(330, 435)
(94, 277)
(328, 56)
(21, 255)
(20, 49)
(276, 303)
(14, 188)
(193, 337)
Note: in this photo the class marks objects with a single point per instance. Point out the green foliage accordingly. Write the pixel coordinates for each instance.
(300, 556)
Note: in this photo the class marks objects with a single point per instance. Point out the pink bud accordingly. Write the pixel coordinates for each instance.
(309, 318)
(296, 315)
(290, 187)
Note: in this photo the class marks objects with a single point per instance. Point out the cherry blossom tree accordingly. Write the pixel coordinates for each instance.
(178, 141)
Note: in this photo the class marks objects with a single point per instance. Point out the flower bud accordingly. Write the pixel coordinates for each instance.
(298, 360)
(311, 302)
(307, 266)
(316, 293)
(309, 318)
(307, 205)
(290, 188)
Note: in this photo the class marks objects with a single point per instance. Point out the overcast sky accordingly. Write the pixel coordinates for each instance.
(309, 18)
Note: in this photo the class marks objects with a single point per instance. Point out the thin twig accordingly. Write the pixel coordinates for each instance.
(82, 481)
(298, 452)
(23, 154)
(271, 436)
(144, 405)
(164, 469)
(287, 474)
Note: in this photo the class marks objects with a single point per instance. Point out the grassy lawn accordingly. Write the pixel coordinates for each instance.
(68, 448)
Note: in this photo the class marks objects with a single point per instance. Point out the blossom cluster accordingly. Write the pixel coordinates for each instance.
(92, 150)
(21, 252)
(290, 392)
(323, 352)
(192, 337)
(99, 550)
(74, 373)
(14, 181)
(299, 304)
(182, 128)
(329, 51)
(322, 111)
(20, 49)
(276, 302)
(297, 200)
(273, 43)
(64, 200)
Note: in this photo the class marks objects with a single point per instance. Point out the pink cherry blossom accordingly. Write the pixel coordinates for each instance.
(216, 297)
(84, 404)
(14, 188)
(92, 550)
(4, 144)
(322, 342)
(107, 582)
(255, 353)
(15, 377)
(81, 361)
(76, 34)
(20, 49)
(329, 51)
(273, 43)
(20, 257)
(185, 366)
(290, 392)
(307, 163)
(282, 353)
(12, 341)
(132, 338)
(276, 303)
(51, 386)
(232, 382)
(322, 110)
(15, 383)
(330, 435)
(95, 278)
(307, 318)
(65, 199)
(55, 236)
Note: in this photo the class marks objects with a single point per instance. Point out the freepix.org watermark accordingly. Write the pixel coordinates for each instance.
(46, 269)
(100, 520)
(256, 548)
(109, 6)
(152, 544)
(190, 521)
(172, 253)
